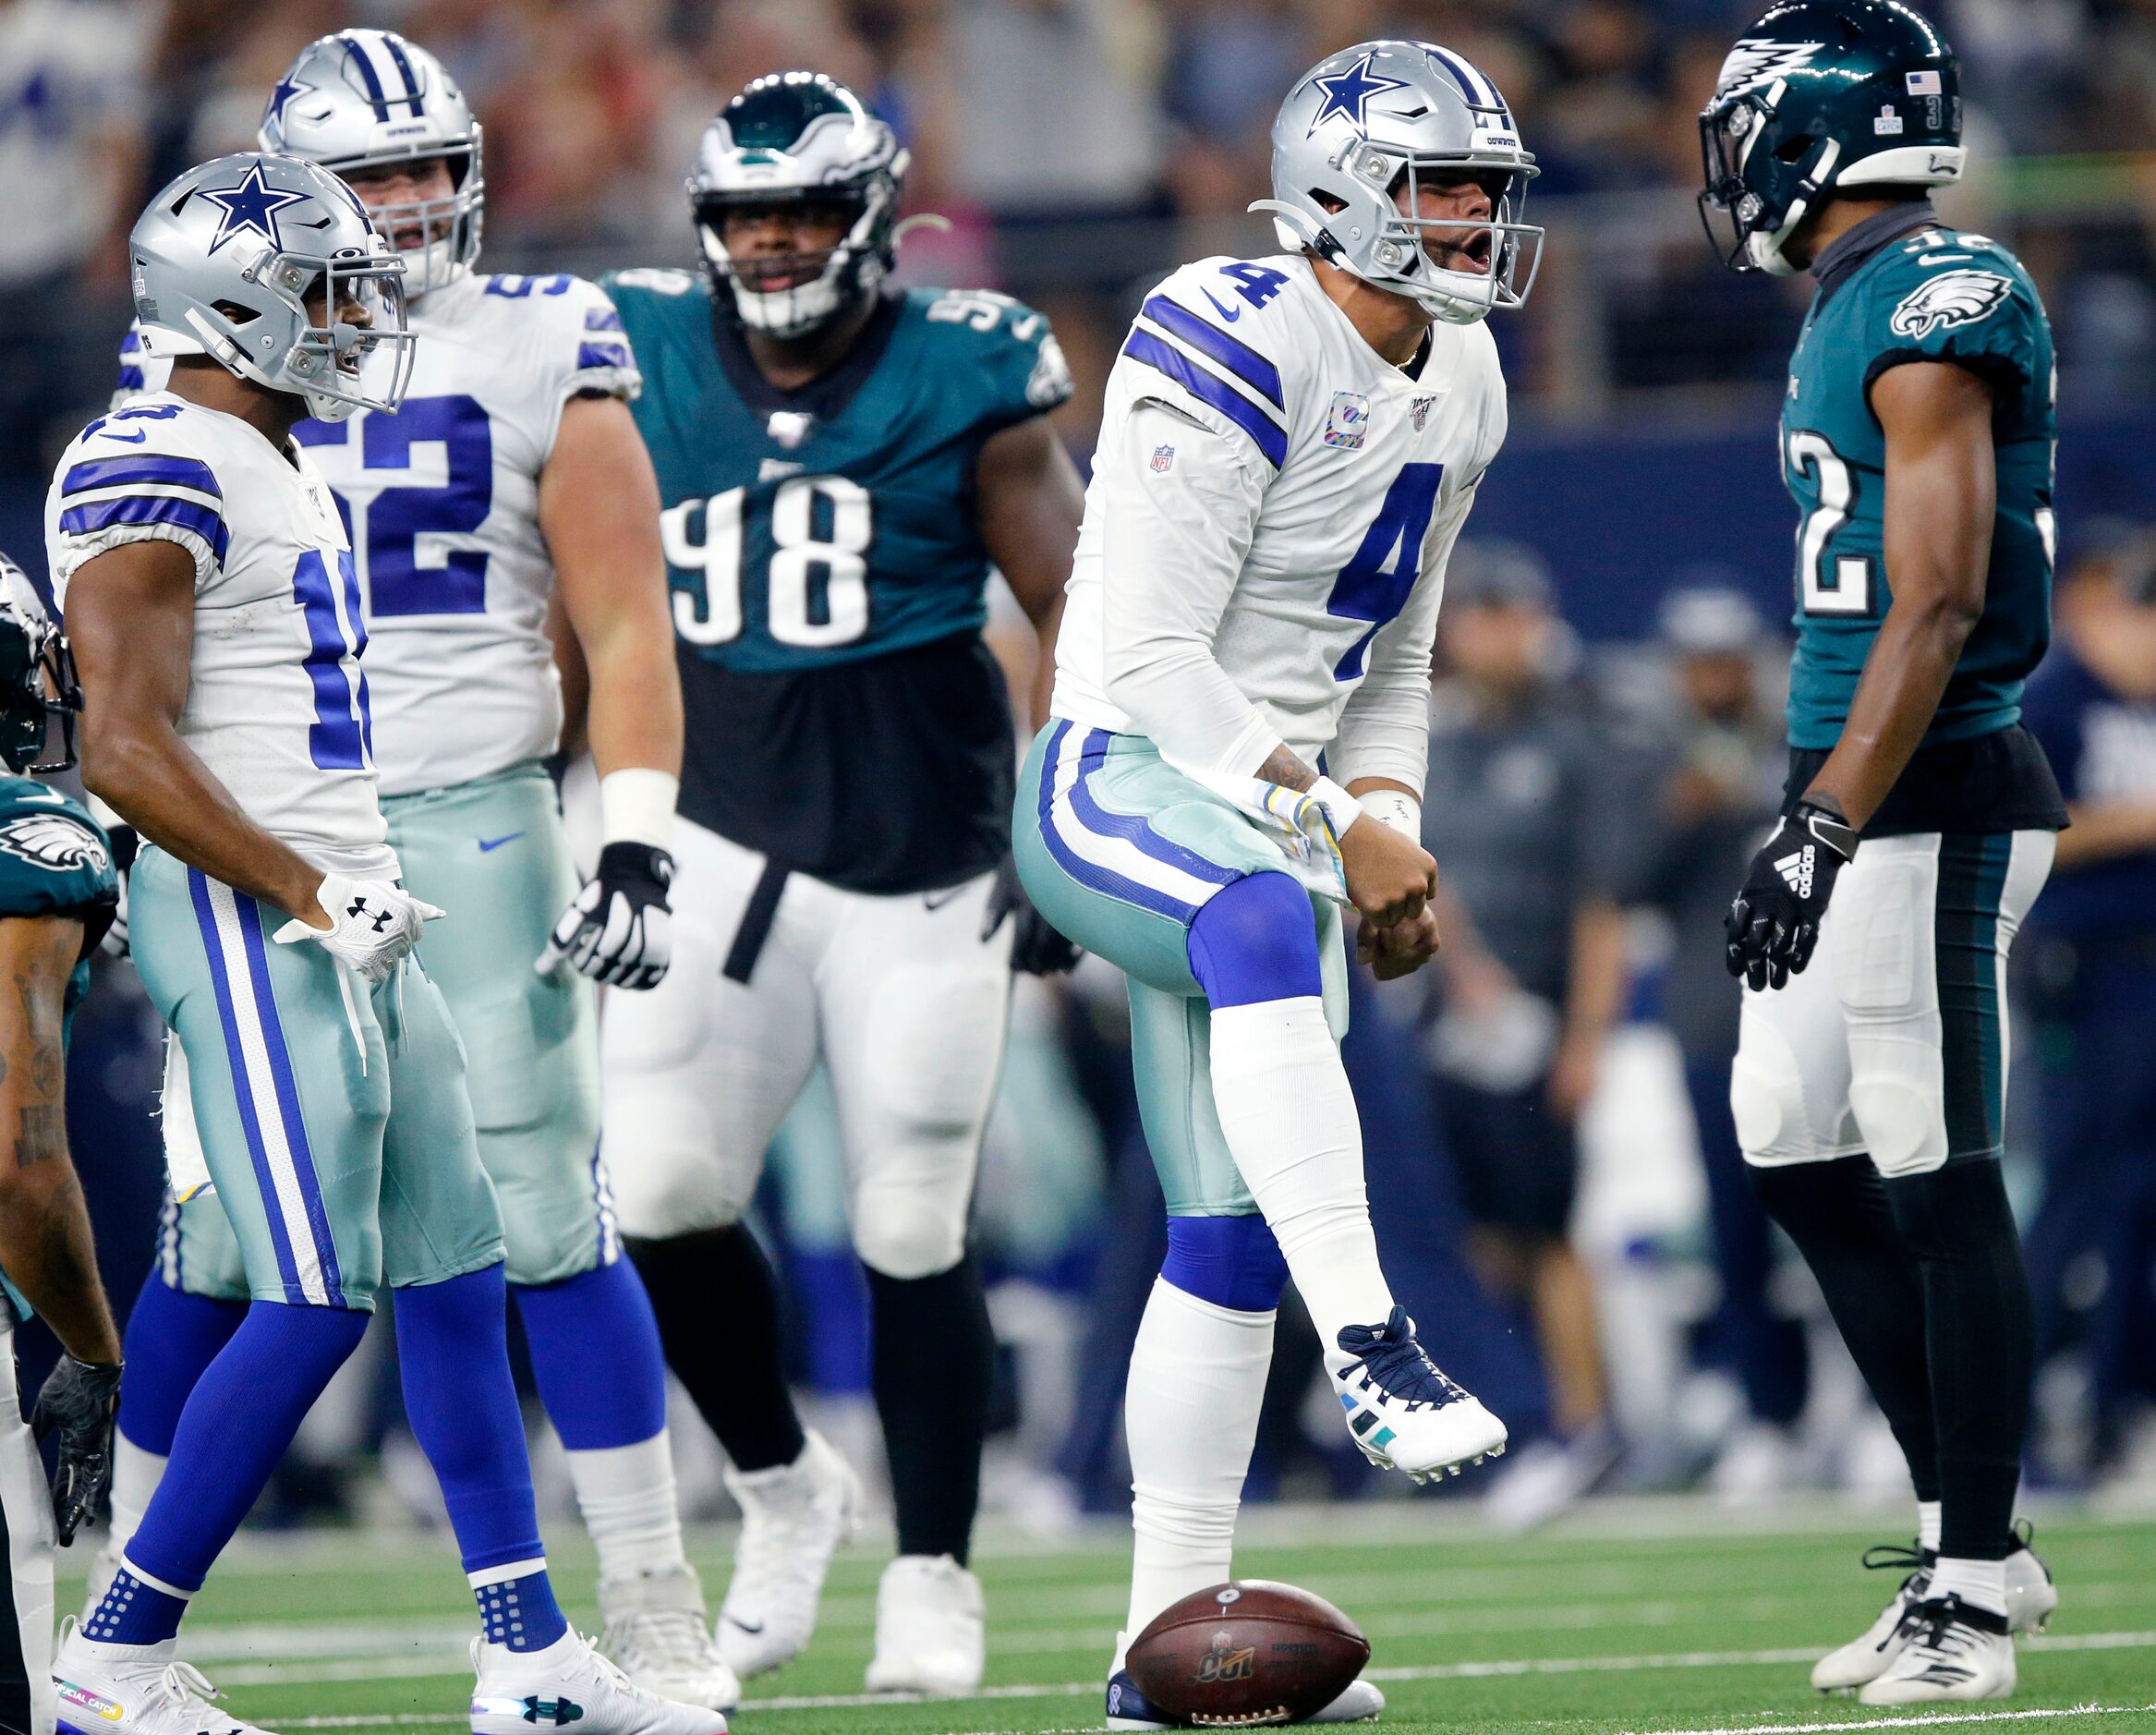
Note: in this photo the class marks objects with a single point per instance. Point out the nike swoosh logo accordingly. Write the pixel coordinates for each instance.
(737, 1620)
(135, 439)
(1941, 258)
(936, 900)
(1230, 314)
(489, 845)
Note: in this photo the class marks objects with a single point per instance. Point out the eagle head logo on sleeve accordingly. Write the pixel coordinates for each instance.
(1953, 298)
(53, 841)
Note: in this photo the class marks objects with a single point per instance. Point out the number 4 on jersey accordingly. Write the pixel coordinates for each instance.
(1374, 586)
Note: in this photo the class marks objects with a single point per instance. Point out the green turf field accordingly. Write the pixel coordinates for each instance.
(1662, 1618)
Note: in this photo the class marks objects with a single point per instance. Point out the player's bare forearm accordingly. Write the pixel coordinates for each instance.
(1284, 767)
(575, 675)
(1941, 491)
(45, 1241)
(130, 619)
(1030, 502)
(1597, 989)
(598, 509)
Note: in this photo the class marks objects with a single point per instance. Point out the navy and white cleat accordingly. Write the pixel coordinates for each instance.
(1129, 1709)
(135, 1690)
(1404, 1414)
(570, 1684)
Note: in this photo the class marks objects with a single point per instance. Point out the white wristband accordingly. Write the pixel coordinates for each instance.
(1395, 808)
(1340, 807)
(636, 806)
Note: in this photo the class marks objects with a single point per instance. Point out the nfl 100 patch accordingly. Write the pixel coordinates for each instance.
(1349, 424)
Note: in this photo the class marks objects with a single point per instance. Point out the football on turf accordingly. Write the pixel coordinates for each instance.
(1242, 1655)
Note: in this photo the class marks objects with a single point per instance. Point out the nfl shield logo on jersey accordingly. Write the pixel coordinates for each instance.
(789, 428)
(1350, 422)
(1163, 459)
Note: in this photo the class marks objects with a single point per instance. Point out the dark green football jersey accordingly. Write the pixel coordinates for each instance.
(808, 530)
(1935, 295)
(54, 859)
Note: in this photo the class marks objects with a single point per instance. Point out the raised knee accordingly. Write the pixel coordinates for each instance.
(1232, 1262)
(1257, 940)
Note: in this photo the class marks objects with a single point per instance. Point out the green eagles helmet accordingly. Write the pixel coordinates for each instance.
(1822, 95)
(36, 679)
(790, 139)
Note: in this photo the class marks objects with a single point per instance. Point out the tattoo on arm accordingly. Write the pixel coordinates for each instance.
(42, 1131)
(1283, 768)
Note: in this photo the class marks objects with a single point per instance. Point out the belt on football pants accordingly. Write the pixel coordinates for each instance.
(755, 922)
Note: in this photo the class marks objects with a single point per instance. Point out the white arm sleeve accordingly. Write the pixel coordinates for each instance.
(1385, 726)
(1173, 546)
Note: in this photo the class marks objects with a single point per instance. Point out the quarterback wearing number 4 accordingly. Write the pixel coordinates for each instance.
(839, 463)
(1873, 928)
(1289, 450)
(510, 481)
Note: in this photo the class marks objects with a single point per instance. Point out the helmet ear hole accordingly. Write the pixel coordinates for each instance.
(233, 311)
(1795, 150)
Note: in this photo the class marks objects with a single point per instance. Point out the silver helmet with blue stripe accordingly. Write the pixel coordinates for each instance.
(365, 99)
(1365, 136)
(258, 261)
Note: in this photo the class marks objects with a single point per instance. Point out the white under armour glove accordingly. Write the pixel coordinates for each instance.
(372, 923)
(616, 930)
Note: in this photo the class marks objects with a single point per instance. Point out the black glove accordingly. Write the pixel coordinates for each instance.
(79, 1400)
(126, 844)
(1774, 924)
(1035, 947)
(615, 930)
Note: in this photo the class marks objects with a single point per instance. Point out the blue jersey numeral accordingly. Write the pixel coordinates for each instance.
(1255, 284)
(342, 737)
(512, 287)
(1374, 586)
(396, 583)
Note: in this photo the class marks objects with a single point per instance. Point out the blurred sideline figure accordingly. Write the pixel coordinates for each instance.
(1918, 435)
(1289, 450)
(212, 598)
(2093, 976)
(542, 523)
(57, 892)
(1719, 799)
(840, 462)
(1516, 812)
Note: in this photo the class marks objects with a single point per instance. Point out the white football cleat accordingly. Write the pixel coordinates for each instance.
(931, 1630)
(135, 1690)
(656, 1635)
(1950, 1651)
(793, 1518)
(2031, 1597)
(570, 1683)
(1403, 1413)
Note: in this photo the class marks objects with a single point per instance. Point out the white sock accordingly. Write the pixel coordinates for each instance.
(1290, 1118)
(627, 1497)
(1191, 1415)
(1981, 1584)
(1928, 1520)
(136, 1473)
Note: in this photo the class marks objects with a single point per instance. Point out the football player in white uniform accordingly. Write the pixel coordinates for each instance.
(1289, 450)
(212, 596)
(511, 481)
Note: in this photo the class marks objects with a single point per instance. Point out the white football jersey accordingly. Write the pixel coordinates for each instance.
(1271, 506)
(442, 503)
(277, 706)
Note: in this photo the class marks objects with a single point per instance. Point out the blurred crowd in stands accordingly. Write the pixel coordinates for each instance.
(1550, 1155)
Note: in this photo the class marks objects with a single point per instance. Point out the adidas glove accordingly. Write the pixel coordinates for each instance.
(127, 844)
(1774, 924)
(615, 931)
(372, 923)
(77, 1402)
(1035, 947)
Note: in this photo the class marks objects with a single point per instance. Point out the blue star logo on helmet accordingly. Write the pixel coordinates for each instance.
(1348, 92)
(252, 205)
(288, 90)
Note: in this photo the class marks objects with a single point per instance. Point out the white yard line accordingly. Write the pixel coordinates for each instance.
(1912, 1722)
(401, 1666)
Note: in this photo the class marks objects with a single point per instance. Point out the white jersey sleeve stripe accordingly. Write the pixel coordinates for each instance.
(1153, 350)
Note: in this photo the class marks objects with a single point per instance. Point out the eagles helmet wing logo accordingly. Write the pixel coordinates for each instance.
(53, 841)
(1760, 60)
(1953, 298)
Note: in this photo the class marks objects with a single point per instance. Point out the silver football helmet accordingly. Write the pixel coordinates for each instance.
(1372, 122)
(800, 138)
(365, 99)
(37, 680)
(226, 258)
